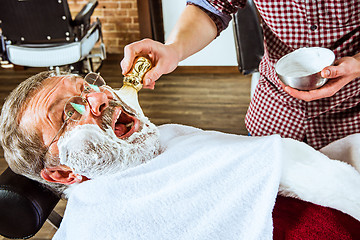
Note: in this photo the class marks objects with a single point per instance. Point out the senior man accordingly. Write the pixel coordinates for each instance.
(128, 179)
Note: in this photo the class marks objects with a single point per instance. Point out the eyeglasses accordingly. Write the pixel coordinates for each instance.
(75, 107)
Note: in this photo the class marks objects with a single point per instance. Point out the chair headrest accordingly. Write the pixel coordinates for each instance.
(24, 205)
(40, 21)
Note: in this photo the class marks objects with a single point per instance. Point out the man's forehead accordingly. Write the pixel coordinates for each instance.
(58, 78)
(35, 113)
(49, 85)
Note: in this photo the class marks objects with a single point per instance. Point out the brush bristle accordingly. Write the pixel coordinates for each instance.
(129, 95)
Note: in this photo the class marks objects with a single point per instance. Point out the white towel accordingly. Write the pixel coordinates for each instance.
(205, 185)
(211, 185)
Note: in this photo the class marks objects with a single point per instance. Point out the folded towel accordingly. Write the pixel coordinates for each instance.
(205, 185)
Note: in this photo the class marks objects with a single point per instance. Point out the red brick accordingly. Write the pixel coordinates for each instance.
(119, 21)
(110, 5)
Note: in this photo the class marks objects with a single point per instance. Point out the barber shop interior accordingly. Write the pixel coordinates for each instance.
(186, 119)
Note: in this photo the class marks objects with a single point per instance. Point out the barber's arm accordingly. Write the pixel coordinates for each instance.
(193, 31)
(341, 73)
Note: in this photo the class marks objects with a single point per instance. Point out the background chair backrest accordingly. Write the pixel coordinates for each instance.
(249, 38)
(36, 21)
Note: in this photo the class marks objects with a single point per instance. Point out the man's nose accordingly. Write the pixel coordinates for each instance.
(98, 101)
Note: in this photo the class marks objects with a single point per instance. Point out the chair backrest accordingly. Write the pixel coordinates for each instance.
(36, 21)
(24, 205)
(249, 38)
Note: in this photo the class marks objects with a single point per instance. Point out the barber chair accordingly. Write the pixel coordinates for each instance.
(42, 33)
(25, 205)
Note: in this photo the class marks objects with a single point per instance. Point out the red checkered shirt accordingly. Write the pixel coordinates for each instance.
(290, 25)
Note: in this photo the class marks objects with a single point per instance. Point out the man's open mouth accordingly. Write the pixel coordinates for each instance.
(125, 125)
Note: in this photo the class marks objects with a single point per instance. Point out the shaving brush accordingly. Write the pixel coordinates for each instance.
(132, 83)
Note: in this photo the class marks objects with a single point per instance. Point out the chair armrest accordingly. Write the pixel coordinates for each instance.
(83, 17)
(24, 205)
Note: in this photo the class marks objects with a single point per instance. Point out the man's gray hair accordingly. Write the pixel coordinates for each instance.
(23, 148)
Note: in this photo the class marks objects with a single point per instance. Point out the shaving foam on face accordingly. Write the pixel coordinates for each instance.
(92, 152)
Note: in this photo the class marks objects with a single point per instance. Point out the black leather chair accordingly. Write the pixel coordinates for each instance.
(24, 206)
(249, 40)
(42, 33)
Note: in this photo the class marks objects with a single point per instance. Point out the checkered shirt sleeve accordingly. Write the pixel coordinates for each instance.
(219, 11)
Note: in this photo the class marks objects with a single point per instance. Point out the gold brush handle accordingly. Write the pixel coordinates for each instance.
(135, 77)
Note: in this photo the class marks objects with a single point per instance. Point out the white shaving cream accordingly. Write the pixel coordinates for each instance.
(93, 152)
(305, 61)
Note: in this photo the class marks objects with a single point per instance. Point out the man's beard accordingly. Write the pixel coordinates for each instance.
(92, 152)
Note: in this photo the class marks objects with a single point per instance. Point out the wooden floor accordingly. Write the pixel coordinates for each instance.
(212, 100)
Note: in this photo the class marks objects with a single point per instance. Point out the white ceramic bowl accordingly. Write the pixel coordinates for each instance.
(301, 68)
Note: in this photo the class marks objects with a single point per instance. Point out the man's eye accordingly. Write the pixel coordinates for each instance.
(69, 114)
(87, 89)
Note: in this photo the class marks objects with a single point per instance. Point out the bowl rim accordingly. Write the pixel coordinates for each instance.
(300, 49)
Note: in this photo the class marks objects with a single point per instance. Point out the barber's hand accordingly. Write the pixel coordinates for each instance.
(163, 57)
(341, 73)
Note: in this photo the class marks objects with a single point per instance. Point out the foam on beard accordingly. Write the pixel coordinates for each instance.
(93, 152)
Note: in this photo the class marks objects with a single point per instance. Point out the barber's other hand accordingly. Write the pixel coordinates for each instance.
(344, 71)
(163, 57)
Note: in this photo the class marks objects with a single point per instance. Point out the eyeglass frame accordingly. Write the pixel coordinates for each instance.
(85, 101)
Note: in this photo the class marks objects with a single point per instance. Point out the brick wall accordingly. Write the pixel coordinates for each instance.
(119, 20)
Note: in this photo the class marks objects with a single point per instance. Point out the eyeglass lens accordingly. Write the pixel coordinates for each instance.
(75, 107)
(94, 79)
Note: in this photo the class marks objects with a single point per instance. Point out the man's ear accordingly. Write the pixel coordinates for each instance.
(61, 174)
